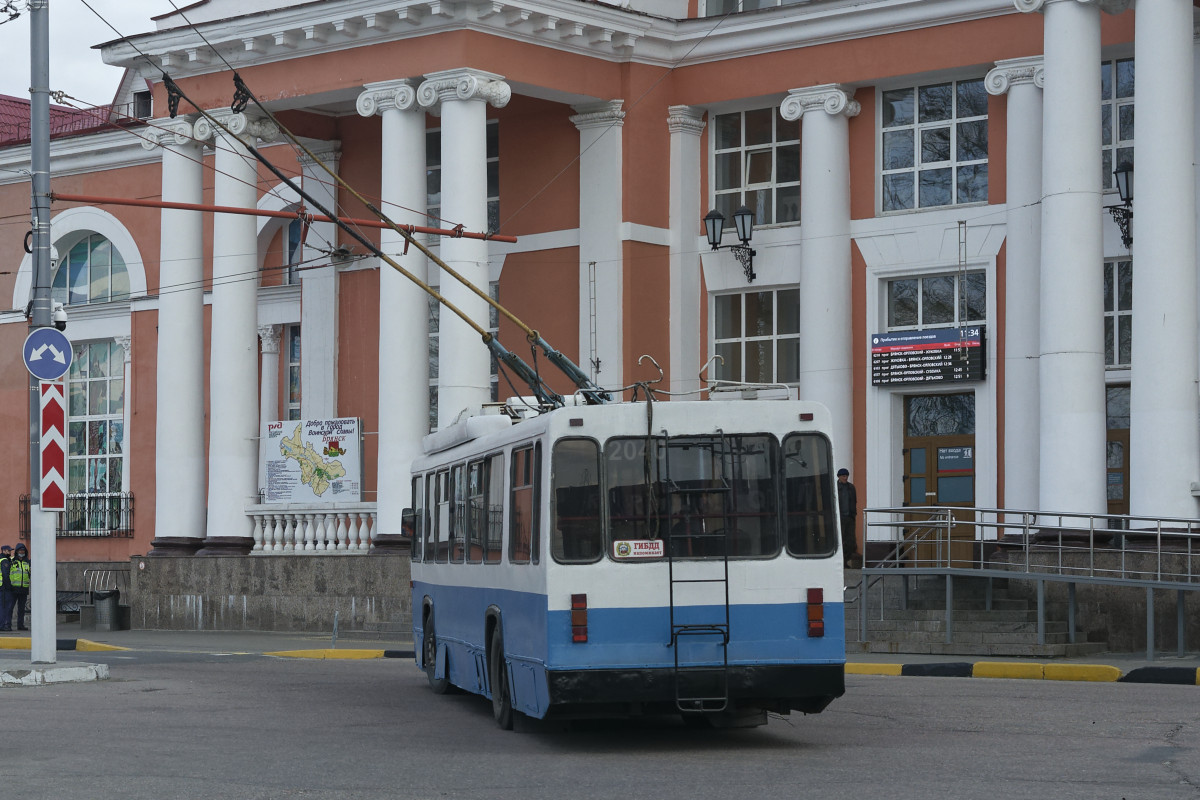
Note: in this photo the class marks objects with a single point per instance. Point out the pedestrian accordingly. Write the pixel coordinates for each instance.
(7, 598)
(848, 509)
(15, 579)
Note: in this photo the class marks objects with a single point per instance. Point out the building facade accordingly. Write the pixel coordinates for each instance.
(933, 258)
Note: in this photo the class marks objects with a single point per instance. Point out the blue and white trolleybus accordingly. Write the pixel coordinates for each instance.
(632, 558)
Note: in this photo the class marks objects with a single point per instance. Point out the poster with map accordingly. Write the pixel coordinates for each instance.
(311, 461)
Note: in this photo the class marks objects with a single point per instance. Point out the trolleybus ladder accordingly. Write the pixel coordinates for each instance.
(699, 687)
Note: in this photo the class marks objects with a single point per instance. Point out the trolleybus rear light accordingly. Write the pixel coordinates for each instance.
(579, 631)
(806, 416)
(816, 612)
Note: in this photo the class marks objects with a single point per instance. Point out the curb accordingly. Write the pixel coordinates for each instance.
(81, 645)
(342, 654)
(1020, 670)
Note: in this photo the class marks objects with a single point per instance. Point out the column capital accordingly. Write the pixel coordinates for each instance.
(833, 98)
(463, 84)
(245, 127)
(126, 343)
(269, 336)
(1014, 72)
(324, 151)
(1110, 6)
(685, 119)
(598, 115)
(169, 132)
(384, 96)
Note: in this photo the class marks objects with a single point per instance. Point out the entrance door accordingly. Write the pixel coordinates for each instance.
(939, 470)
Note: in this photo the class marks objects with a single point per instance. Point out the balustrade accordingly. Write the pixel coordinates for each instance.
(297, 528)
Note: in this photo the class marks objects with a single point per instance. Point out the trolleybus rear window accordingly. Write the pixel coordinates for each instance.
(700, 496)
(576, 537)
(809, 500)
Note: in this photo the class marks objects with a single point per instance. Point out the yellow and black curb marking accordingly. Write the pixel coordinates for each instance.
(80, 645)
(1187, 676)
(347, 654)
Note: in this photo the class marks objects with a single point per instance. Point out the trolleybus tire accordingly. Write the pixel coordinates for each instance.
(429, 656)
(502, 708)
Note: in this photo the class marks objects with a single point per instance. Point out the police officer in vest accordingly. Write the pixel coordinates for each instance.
(14, 584)
(7, 598)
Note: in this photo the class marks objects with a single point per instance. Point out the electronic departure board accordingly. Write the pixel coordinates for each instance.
(934, 355)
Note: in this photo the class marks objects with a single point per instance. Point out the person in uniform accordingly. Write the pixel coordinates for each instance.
(15, 579)
(7, 598)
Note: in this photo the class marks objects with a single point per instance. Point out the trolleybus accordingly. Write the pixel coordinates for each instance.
(632, 558)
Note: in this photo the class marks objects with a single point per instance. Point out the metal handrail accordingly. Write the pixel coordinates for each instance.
(1042, 539)
(1047, 547)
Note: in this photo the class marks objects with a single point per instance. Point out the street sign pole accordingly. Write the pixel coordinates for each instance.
(43, 558)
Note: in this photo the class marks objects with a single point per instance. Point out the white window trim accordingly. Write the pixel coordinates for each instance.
(711, 132)
(916, 83)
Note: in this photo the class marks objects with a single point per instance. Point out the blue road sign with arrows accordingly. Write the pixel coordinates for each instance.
(47, 353)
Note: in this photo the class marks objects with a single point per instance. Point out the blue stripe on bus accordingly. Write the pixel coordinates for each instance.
(536, 639)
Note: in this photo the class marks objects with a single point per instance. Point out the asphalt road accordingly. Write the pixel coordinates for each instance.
(193, 725)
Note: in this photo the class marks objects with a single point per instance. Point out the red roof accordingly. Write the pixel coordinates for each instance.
(14, 120)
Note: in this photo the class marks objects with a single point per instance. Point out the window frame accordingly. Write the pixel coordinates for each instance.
(1115, 317)
(773, 186)
(958, 321)
(953, 163)
(532, 463)
(775, 337)
(1111, 152)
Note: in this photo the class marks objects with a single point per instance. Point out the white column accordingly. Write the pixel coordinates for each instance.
(403, 306)
(268, 397)
(826, 335)
(1022, 80)
(464, 370)
(126, 345)
(319, 294)
(1071, 349)
(233, 359)
(179, 461)
(600, 217)
(687, 339)
(1164, 458)
(268, 394)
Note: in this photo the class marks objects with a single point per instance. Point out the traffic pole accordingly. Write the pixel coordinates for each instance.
(42, 544)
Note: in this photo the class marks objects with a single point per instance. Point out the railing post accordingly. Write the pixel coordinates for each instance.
(949, 605)
(1071, 612)
(1041, 611)
(1180, 627)
(1149, 623)
(862, 607)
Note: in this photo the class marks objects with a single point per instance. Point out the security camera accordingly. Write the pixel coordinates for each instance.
(59, 315)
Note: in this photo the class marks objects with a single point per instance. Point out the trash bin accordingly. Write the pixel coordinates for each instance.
(107, 613)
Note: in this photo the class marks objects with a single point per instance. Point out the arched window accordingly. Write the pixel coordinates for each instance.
(92, 271)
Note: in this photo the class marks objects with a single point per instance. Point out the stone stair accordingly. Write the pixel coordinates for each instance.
(1009, 628)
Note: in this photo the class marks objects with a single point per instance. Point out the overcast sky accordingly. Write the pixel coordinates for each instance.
(74, 66)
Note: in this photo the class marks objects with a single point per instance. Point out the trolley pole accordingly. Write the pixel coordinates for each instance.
(43, 642)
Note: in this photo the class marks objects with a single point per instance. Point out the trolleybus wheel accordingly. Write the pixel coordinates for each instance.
(429, 655)
(502, 708)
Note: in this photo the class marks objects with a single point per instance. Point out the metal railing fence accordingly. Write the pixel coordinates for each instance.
(1152, 553)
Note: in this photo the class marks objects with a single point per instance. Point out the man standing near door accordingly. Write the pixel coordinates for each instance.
(848, 510)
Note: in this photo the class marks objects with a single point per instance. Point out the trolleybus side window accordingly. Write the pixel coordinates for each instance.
(458, 514)
(523, 504)
(575, 537)
(441, 518)
(494, 544)
(808, 495)
(476, 510)
(418, 517)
